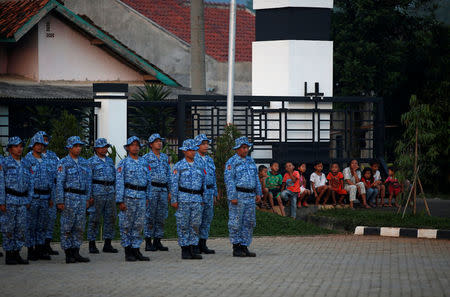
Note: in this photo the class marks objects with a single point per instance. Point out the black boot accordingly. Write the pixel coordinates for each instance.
(19, 259)
(196, 250)
(185, 252)
(137, 254)
(69, 256)
(78, 257)
(194, 255)
(237, 251)
(32, 254)
(93, 248)
(203, 248)
(148, 245)
(246, 252)
(157, 243)
(108, 248)
(42, 253)
(10, 259)
(49, 249)
(129, 257)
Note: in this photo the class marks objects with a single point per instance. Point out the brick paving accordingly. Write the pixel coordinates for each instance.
(336, 265)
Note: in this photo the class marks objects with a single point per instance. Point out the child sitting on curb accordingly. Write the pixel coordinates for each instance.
(291, 181)
(336, 181)
(304, 192)
(394, 186)
(319, 183)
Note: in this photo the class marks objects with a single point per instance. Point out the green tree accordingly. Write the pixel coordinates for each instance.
(224, 151)
(422, 124)
(67, 125)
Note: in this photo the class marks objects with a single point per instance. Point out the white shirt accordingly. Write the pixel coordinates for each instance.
(377, 176)
(348, 175)
(318, 180)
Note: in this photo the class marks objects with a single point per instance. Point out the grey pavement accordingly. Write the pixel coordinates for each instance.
(335, 265)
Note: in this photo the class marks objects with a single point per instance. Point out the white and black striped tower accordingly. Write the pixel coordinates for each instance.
(293, 46)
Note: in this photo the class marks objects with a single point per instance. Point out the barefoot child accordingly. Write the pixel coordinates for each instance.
(274, 181)
(371, 189)
(319, 183)
(393, 185)
(336, 181)
(262, 174)
(304, 192)
(292, 187)
(374, 165)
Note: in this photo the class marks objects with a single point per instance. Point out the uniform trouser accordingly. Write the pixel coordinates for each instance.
(188, 217)
(242, 219)
(104, 205)
(14, 227)
(37, 221)
(131, 222)
(73, 221)
(156, 213)
(50, 222)
(372, 194)
(287, 195)
(352, 189)
(207, 216)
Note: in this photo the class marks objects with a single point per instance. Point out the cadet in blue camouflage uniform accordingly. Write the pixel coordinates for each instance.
(207, 163)
(103, 182)
(53, 158)
(42, 182)
(133, 192)
(73, 187)
(15, 202)
(157, 209)
(242, 182)
(2, 193)
(188, 185)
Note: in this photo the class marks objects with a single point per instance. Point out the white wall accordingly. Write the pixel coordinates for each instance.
(23, 57)
(265, 4)
(70, 56)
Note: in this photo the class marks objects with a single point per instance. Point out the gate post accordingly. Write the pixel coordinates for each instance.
(112, 116)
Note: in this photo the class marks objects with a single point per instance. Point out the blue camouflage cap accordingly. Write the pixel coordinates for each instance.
(241, 141)
(101, 142)
(155, 136)
(44, 134)
(37, 138)
(200, 138)
(72, 140)
(131, 140)
(15, 140)
(189, 145)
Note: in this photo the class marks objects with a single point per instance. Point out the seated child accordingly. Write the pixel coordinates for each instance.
(393, 185)
(274, 181)
(291, 181)
(304, 192)
(319, 183)
(369, 184)
(262, 174)
(374, 164)
(336, 181)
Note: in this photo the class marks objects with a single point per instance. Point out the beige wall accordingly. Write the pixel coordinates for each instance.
(23, 57)
(3, 60)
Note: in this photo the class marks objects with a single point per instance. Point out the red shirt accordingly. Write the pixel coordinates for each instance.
(335, 180)
(290, 185)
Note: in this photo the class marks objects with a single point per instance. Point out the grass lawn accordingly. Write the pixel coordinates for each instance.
(374, 218)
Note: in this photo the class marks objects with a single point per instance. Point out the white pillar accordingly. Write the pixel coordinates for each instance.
(112, 115)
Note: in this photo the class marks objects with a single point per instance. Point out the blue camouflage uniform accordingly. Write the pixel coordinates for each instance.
(42, 182)
(157, 208)
(54, 160)
(188, 186)
(242, 182)
(207, 163)
(73, 187)
(133, 187)
(18, 193)
(2, 192)
(103, 190)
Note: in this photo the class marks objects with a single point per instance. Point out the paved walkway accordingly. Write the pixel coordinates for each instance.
(338, 265)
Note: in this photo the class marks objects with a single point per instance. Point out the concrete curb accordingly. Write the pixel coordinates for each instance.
(403, 232)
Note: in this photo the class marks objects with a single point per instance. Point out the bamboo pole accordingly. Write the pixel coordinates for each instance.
(423, 197)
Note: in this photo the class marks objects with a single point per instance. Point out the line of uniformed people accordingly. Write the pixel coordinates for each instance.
(31, 189)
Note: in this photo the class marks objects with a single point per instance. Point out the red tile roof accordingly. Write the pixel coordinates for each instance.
(174, 16)
(14, 14)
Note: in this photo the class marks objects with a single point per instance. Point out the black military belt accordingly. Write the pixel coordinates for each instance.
(15, 193)
(42, 192)
(210, 186)
(245, 190)
(186, 190)
(103, 182)
(159, 185)
(75, 191)
(134, 187)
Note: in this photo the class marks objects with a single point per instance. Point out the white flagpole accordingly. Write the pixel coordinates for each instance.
(231, 54)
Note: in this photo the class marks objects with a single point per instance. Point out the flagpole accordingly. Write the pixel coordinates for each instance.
(231, 55)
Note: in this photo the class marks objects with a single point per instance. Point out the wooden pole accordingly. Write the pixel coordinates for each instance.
(423, 197)
(415, 168)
